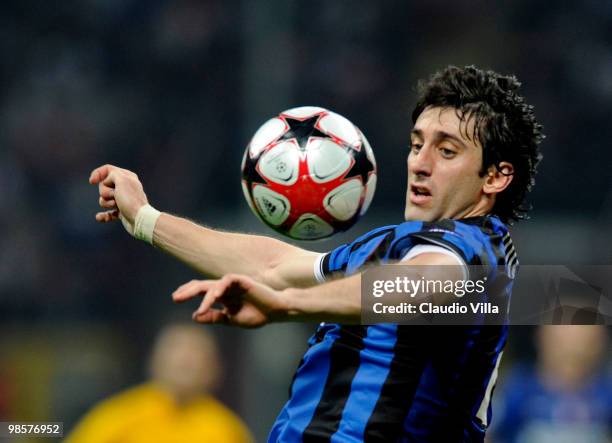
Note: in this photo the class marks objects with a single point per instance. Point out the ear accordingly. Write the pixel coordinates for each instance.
(498, 178)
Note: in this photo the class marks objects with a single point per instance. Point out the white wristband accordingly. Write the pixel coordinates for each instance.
(144, 224)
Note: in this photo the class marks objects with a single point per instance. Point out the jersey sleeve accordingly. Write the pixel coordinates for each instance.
(417, 250)
(469, 242)
(450, 237)
(348, 258)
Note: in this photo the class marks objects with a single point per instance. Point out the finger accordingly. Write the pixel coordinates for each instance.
(109, 180)
(211, 317)
(185, 290)
(191, 290)
(239, 282)
(214, 294)
(100, 173)
(107, 204)
(106, 191)
(107, 216)
(187, 285)
(207, 302)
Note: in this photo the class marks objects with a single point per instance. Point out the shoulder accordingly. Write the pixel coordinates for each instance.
(213, 413)
(469, 240)
(347, 257)
(472, 239)
(110, 417)
(470, 229)
(133, 399)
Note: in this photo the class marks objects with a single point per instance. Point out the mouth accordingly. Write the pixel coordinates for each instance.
(419, 194)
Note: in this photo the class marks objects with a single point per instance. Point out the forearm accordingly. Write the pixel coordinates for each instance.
(337, 301)
(215, 253)
(340, 301)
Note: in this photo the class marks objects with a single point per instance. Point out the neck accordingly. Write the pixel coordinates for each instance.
(482, 207)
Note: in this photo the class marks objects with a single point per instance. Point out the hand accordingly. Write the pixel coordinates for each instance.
(243, 301)
(121, 194)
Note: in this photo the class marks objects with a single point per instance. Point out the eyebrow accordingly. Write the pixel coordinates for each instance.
(441, 135)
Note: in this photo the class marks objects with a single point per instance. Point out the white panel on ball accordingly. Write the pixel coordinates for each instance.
(338, 126)
(370, 188)
(273, 207)
(269, 131)
(326, 160)
(303, 111)
(281, 164)
(342, 202)
(310, 227)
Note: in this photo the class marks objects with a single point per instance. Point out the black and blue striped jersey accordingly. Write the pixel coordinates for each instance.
(398, 383)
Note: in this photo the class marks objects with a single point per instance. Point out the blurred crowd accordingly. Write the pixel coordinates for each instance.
(174, 90)
(562, 395)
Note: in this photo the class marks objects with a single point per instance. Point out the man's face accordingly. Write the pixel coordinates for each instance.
(443, 167)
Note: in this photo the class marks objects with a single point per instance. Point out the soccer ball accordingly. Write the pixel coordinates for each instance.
(308, 173)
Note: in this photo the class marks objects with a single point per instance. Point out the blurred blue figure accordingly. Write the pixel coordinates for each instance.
(566, 397)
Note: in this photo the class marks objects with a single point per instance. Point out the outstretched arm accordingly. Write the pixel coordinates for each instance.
(241, 301)
(216, 253)
(213, 253)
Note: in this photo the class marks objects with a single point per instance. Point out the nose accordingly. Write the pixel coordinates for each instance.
(421, 163)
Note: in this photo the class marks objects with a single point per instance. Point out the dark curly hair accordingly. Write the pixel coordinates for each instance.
(504, 125)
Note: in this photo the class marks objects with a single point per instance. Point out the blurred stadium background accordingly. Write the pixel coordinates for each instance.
(175, 89)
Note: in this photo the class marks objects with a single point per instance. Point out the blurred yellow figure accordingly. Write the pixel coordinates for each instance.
(174, 406)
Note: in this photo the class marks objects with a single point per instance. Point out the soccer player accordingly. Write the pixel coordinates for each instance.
(473, 157)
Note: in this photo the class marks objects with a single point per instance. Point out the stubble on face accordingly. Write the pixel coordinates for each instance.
(443, 167)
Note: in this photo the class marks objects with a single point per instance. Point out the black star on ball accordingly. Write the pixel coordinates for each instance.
(250, 172)
(362, 166)
(302, 130)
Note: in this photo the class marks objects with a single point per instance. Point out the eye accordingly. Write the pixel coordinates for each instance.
(415, 148)
(447, 153)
